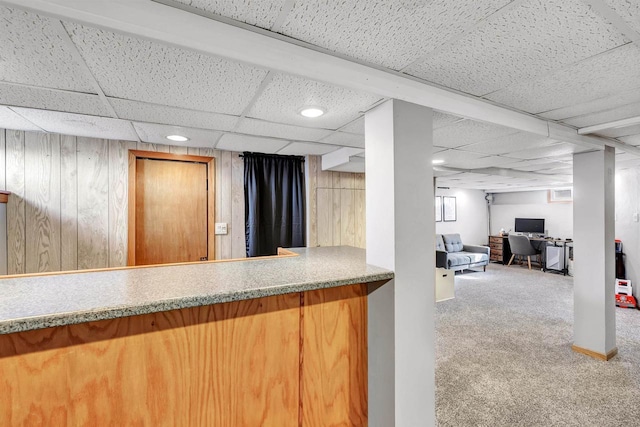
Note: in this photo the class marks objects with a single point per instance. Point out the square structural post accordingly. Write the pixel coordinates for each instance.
(594, 320)
(400, 237)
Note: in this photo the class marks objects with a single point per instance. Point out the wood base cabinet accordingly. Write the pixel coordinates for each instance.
(298, 359)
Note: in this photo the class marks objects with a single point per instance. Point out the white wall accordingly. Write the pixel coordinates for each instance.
(471, 221)
(531, 204)
(628, 230)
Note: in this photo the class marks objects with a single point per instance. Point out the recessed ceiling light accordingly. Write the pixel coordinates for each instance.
(312, 112)
(437, 162)
(177, 138)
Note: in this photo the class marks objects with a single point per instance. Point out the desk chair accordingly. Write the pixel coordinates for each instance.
(521, 246)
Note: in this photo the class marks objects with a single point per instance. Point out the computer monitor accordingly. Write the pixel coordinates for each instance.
(530, 225)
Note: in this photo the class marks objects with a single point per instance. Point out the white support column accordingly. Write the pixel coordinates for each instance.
(400, 236)
(594, 329)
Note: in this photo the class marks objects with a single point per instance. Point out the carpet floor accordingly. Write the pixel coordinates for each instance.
(504, 358)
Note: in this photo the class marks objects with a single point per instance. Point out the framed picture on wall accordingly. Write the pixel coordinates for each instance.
(449, 208)
(438, 205)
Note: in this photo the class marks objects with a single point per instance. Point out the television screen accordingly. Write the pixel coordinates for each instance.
(529, 225)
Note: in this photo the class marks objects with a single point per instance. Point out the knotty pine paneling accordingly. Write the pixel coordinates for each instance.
(336, 207)
(69, 204)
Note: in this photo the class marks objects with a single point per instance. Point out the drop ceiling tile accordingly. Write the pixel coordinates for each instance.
(466, 132)
(633, 140)
(79, 125)
(620, 132)
(141, 70)
(626, 164)
(554, 150)
(532, 165)
(624, 112)
(356, 126)
(620, 156)
(231, 142)
(547, 164)
(484, 162)
(596, 106)
(156, 134)
(530, 40)
(279, 130)
(444, 119)
(388, 33)
(152, 113)
(11, 120)
(285, 95)
(307, 148)
(345, 139)
(457, 158)
(557, 171)
(50, 99)
(260, 13)
(32, 52)
(438, 149)
(510, 143)
(629, 10)
(598, 77)
(440, 173)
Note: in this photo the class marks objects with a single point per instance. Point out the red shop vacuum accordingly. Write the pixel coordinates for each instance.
(624, 291)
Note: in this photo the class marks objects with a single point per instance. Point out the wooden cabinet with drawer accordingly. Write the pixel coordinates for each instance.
(500, 249)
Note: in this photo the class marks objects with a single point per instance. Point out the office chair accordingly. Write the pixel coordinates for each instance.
(521, 246)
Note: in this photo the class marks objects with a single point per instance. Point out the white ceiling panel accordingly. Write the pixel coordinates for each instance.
(345, 139)
(261, 13)
(554, 150)
(596, 106)
(484, 162)
(443, 119)
(557, 171)
(631, 140)
(11, 120)
(79, 125)
(510, 143)
(624, 112)
(529, 40)
(279, 130)
(629, 10)
(600, 76)
(626, 164)
(156, 134)
(466, 132)
(152, 113)
(32, 52)
(285, 95)
(141, 70)
(307, 148)
(547, 164)
(231, 142)
(390, 33)
(457, 158)
(620, 132)
(51, 99)
(440, 173)
(356, 126)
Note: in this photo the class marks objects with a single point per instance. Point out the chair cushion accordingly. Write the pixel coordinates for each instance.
(439, 243)
(452, 242)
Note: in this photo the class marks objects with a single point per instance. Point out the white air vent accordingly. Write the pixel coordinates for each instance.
(561, 195)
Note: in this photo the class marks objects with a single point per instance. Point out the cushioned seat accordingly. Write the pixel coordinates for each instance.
(452, 254)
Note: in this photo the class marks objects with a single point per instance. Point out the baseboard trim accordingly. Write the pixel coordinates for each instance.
(595, 354)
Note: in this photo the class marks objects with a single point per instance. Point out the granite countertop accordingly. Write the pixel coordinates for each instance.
(43, 301)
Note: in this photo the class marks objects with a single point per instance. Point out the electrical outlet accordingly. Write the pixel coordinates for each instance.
(221, 228)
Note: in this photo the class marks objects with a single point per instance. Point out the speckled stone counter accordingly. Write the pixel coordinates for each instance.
(39, 302)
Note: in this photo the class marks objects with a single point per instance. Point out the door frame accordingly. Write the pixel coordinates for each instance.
(134, 155)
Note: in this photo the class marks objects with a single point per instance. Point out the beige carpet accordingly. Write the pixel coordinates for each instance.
(504, 356)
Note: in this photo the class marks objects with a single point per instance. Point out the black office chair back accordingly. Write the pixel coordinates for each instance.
(520, 245)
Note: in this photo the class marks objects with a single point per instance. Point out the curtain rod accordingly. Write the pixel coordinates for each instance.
(271, 155)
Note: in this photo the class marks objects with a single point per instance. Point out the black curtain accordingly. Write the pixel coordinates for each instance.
(274, 203)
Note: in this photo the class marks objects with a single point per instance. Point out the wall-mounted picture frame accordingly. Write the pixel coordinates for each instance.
(438, 206)
(449, 208)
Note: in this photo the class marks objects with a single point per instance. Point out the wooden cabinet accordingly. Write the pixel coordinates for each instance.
(500, 249)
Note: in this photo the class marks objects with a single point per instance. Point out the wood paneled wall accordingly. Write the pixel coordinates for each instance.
(69, 204)
(336, 207)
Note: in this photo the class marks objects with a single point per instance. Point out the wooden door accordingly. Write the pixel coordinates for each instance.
(170, 211)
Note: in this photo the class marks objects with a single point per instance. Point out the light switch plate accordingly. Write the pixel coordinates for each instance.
(221, 228)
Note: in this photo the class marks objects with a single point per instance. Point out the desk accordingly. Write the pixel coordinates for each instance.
(501, 251)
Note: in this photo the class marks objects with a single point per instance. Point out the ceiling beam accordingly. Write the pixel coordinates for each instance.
(261, 48)
(631, 121)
